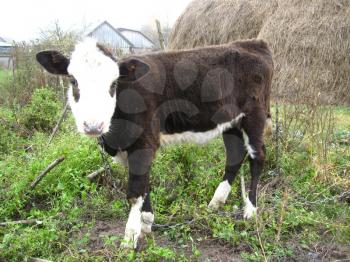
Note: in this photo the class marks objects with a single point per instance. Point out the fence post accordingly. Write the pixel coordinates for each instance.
(160, 35)
(14, 65)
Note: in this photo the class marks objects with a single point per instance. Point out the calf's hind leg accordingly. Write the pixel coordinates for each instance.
(253, 135)
(235, 154)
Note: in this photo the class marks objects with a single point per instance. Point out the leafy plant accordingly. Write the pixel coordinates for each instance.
(42, 112)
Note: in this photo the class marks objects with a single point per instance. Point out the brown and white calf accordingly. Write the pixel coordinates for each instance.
(142, 102)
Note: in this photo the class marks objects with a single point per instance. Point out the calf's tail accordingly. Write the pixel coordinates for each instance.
(268, 125)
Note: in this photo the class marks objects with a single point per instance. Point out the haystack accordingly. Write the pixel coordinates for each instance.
(207, 22)
(311, 44)
(310, 40)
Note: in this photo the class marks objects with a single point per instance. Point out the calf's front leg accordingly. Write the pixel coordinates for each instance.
(147, 216)
(140, 217)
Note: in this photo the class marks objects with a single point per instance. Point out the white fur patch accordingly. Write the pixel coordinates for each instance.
(249, 209)
(94, 72)
(248, 147)
(198, 137)
(147, 219)
(121, 158)
(237, 119)
(220, 195)
(133, 226)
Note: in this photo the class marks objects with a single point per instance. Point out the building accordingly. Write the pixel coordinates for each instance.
(5, 54)
(122, 39)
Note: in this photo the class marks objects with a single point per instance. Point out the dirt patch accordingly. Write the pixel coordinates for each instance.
(320, 252)
(215, 251)
(103, 229)
(212, 249)
(38, 201)
(209, 248)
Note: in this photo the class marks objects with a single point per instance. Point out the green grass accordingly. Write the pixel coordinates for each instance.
(343, 118)
(297, 210)
(4, 74)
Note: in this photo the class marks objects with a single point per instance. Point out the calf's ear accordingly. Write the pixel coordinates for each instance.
(53, 61)
(132, 69)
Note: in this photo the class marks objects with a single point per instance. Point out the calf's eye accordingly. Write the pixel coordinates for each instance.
(113, 88)
(74, 82)
(75, 88)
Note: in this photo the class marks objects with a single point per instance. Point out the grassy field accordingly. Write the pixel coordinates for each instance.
(3, 74)
(302, 214)
(4, 77)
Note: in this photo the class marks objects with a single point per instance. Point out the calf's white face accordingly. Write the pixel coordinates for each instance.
(93, 73)
(92, 91)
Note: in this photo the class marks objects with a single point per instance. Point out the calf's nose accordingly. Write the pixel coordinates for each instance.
(93, 129)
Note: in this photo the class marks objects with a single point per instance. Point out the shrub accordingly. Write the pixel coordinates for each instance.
(42, 111)
(9, 138)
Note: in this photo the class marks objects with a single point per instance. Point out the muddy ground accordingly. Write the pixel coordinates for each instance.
(212, 249)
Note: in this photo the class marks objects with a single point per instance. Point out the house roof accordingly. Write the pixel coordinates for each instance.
(119, 32)
(121, 29)
(3, 43)
(115, 30)
(6, 40)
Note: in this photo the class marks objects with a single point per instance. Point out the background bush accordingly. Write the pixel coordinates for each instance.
(42, 112)
(9, 132)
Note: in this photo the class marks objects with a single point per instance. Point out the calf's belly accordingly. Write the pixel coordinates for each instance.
(198, 137)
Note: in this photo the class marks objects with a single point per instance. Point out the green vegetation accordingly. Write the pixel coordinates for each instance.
(4, 79)
(3, 75)
(42, 111)
(300, 211)
(40, 114)
(303, 211)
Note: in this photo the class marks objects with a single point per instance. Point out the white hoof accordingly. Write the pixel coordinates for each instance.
(249, 209)
(214, 205)
(147, 219)
(220, 195)
(127, 245)
(133, 226)
(130, 238)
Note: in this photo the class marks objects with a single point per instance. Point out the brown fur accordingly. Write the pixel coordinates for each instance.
(245, 83)
(106, 51)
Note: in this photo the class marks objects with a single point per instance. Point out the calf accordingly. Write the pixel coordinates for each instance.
(142, 102)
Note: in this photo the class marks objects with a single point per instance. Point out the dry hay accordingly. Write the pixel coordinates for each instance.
(311, 44)
(207, 22)
(310, 40)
